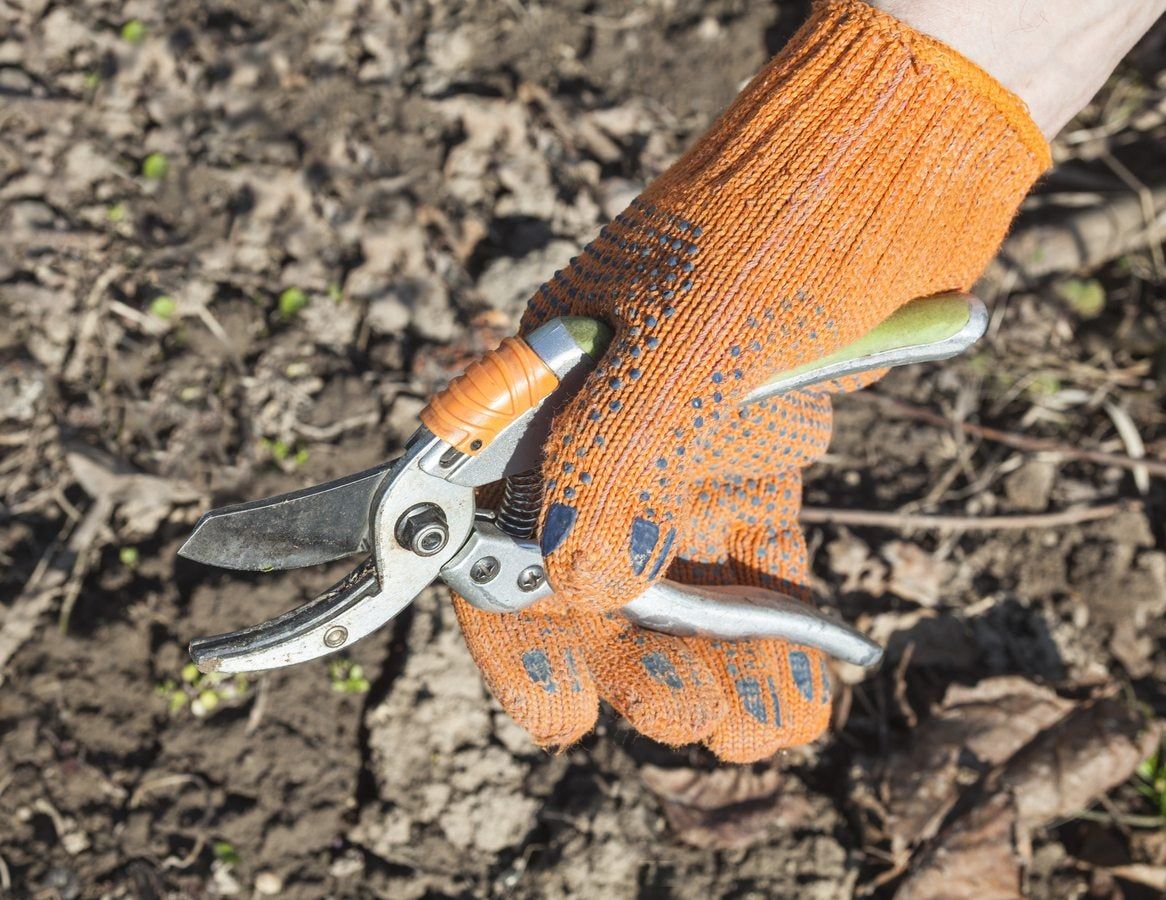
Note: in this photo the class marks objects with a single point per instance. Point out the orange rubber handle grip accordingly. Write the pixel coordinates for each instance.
(491, 393)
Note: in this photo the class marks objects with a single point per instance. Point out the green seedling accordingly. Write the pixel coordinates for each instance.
(291, 301)
(1150, 781)
(155, 167)
(163, 307)
(282, 452)
(116, 213)
(335, 292)
(172, 692)
(226, 853)
(1043, 385)
(92, 80)
(347, 677)
(204, 693)
(1085, 296)
(133, 31)
(128, 556)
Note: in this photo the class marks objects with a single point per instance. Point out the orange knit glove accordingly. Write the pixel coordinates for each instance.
(744, 699)
(866, 165)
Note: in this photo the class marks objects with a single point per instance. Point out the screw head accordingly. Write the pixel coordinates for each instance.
(531, 578)
(484, 570)
(335, 636)
(423, 529)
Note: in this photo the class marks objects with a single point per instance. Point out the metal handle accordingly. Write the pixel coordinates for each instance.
(926, 329)
(740, 613)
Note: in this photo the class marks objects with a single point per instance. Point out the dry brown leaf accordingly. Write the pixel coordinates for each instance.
(916, 575)
(1065, 768)
(1083, 756)
(975, 860)
(727, 807)
(1140, 873)
(1003, 714)
(991, 721)
(851, 558)
(142, 501)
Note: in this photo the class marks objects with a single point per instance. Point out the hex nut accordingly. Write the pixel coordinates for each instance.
(423, 529)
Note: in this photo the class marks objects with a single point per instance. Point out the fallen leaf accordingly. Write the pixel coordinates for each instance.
(1061, 771)
(1151, 876)
(851, 559)
(988, 721)
(727, 807)
(977, 859)
(916, 575)
(1086, 754)
(142, 502)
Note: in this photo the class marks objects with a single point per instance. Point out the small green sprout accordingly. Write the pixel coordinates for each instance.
(335, 292)
(278, 449)
(172, 693)
(347, 677)
(163, 307)
(1085, 296)
(116, 213)
(128, 556)
(291, 301)
(283, 452)
(155, 167)
(980, 363)
(1043, 385)
(1150, 781)
(133, 31)
(92, 80)
(204, 693)
(226, 853)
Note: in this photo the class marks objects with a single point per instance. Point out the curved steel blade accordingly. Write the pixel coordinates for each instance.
(302, 528)
(370, 595)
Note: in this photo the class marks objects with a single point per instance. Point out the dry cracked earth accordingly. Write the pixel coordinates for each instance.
(243, 242)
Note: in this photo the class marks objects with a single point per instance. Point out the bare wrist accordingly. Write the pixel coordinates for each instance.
(1054, 54)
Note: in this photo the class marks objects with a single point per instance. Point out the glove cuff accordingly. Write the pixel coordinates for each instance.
(887, 34)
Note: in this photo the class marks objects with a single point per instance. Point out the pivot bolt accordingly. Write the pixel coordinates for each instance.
(335, 636)
(423, 529)
(531, 578)
(484, 570)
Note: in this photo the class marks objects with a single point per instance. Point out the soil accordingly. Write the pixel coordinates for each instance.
(243, 242)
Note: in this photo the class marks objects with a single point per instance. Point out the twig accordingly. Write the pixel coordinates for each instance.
(1069, 239)
(75, 368)
(330, 432)
(817, 515)
(1134, 821)
(1155, 467)
(258, 708)
(1149, 208)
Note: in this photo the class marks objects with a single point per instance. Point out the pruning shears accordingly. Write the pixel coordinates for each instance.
(418, 518)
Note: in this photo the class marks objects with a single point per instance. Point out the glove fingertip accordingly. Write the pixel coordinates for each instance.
(534, 668)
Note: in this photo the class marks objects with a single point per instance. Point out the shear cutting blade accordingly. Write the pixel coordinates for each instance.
(303, 528)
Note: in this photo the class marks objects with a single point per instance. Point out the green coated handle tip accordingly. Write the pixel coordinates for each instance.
(592, 335)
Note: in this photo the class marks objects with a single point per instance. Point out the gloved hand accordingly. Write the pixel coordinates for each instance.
(864, 166)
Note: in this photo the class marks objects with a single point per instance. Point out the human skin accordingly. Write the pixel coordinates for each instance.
(1054, 54)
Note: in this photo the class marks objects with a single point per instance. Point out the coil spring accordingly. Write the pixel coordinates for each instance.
(517, 515)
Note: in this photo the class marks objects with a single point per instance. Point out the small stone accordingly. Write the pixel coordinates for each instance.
(268, 883)
(1029, 487)
(387, 316)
